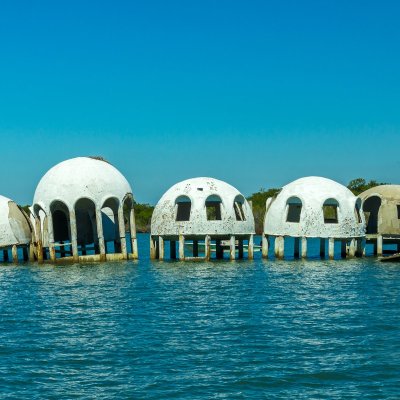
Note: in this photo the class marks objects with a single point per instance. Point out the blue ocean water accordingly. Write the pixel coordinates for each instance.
(218, 330)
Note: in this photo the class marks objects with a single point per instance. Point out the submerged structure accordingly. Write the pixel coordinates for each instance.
(381, 207)
(205, 214)
(15, 232)
(83, 208)
(314, 207)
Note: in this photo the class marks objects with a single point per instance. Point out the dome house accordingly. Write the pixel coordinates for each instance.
(314, 207)
(199, 211)
(381, 207)
(15, 231)
(82, 209)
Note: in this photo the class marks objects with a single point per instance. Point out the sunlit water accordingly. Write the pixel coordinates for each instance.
(171, 330)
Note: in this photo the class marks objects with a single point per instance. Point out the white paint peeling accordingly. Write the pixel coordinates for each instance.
(14, 228)
(163, 222)
(313, 192)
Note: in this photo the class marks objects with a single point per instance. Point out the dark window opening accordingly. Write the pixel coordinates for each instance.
(294, 210)
(371, 211)
(184, 206)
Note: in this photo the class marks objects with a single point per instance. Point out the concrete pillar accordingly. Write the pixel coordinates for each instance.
(352, 248)
(132, 223)
(160, 248)
(240, 249)
(195, 248)
(250, 248)
(232, 248)
(322, 248)
(31, 252)
(296, 252)
(279, 247)
(181, 247)
(207, 248)
(39, 242)
(303, 247)
(100, 235)
(121, 226)
(331, 248)
(379, 245)
(5, 255)
(264, 246)
(172, 249)
(74, 236)
(153, 249)
(14, 252)
(50, 232)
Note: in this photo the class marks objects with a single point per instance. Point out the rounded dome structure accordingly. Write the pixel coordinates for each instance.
(202, 210)
(15, 228)
(314, 207)
(381, 207)
(85, 201)
(202, 206)
(81, 177)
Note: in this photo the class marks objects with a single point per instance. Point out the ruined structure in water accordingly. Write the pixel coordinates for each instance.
(15, 232)
(381, 207)
(82, 209)
(202, 210)
(314, 207)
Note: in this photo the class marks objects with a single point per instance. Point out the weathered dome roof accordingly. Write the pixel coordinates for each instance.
(14, 225)
(381, 206)
(81, 177)
(390, 192)
(197, 191)
(311, 193)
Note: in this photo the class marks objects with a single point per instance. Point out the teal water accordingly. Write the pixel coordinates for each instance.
(171, 330)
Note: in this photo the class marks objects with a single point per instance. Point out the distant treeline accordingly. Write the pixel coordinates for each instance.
(143, 212)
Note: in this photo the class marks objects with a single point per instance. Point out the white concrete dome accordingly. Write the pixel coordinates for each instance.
(14, 226)
(381, 206)
(314, 207)
(77, 178)
(202, 206)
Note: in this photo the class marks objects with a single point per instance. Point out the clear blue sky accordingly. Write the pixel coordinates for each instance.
(256, 93)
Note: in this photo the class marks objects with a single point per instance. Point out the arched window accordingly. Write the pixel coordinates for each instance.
(213, 208)
(85, 221)
(330, 209)
(183, 207)
(61, 224)
(294, 206)
(238, 207)
(371, 210)
(357, 209)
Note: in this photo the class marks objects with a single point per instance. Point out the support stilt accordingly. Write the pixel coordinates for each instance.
(207, 249)
(232, 247)
(379, 245)
(264, 246)
(160, 248)
(181, 247)
(250, 248)
(153, 249)
(331, 248)
(14, 252)
(303, 247)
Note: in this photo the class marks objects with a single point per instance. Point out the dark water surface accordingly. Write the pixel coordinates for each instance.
(170, 330)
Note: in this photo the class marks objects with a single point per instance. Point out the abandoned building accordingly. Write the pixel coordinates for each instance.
(83, 209)
(204, 215)
(15, 232)
(314, 207)
(381, 207)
